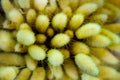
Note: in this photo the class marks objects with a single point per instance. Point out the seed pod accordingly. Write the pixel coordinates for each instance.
(42, 23)
(55, 57)
(50, 8)
(40, 38)
(8, 25)
(79, 47)
(6, 6)
(99, 18)
(87, 30)
(88, 77)
(57, 71)
(59, 21)
(30, 63)
(95, 59)
(65, 52)
(87, 8)
(38, 74)
(24, 74)
(24, 4)
(74, 4)
(31, 16)
(86, 64)
(115, 39)
(98, 41)
(60, 40)
(49, 73)
(7, 43)
(68, 11)
(40, 4)
(25, 37)
(36, 52)
(70, 33)
(70, 69)
(19, 48)
(105, 56)
(10, 59)
(15, 17)
(76, 21)
(114, 27)
(8, 73)
(100, 3)
(115, 48)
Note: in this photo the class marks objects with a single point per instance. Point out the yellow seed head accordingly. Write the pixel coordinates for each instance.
(40, 38)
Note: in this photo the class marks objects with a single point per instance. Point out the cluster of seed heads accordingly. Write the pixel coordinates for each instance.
(59, 40)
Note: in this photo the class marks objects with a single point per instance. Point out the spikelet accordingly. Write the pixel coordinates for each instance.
(115, 48)
(31, 16)
(79, 47)
(60, 40)
(100, 3)
(38, 74)
(25, 37)
(76, 21)
(30, 63)
(59, 21)
(115, 39)
(88, 77)
(55, 57)
(70, 33)
(87, 30)
(114, 27)
(57, 72)
(40, 38)
(8, 73)
(36, 52)
(65, 52)
(86, 64)
(98, 41)
(42, 23)
(105, 55)
(50, 32)
(24, 74)
(70, 69)
(40, 5)
(19, 48)
(25, 4)
(6, 5)
(11, 59)
(87, 8)
(7, 43)
(110, 73)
